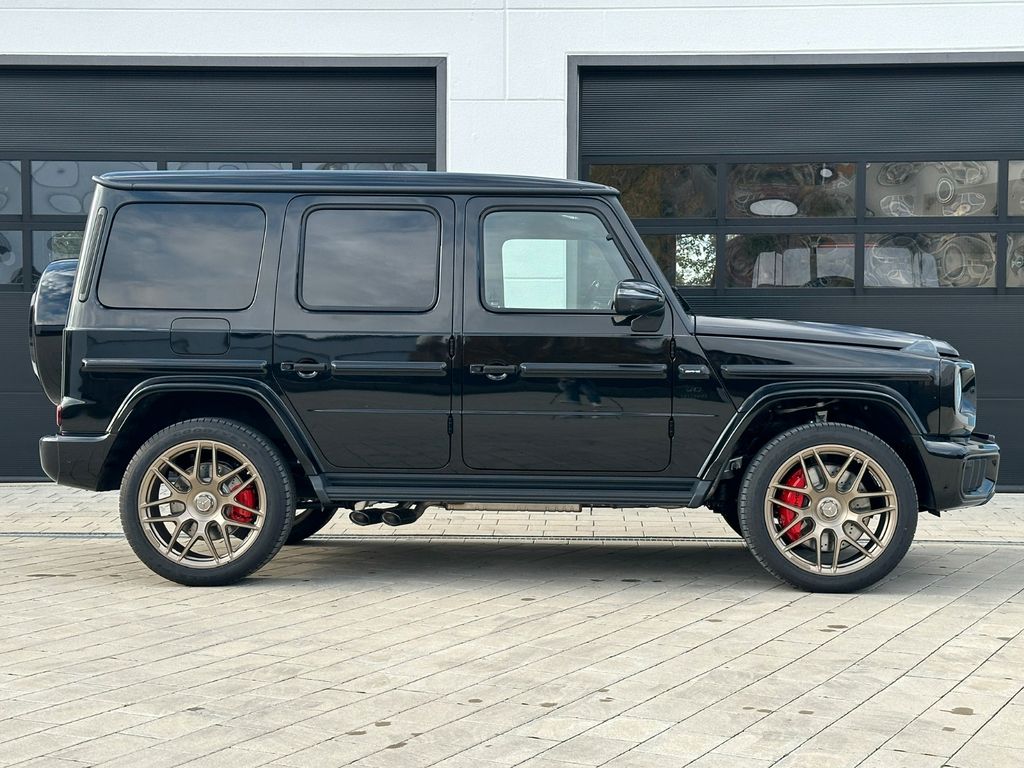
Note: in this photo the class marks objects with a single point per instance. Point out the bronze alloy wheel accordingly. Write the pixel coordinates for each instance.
(206, 502)
(827, 507)
(202, 504)
(831, 509)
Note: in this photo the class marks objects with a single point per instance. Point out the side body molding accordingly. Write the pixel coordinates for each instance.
(770, 395)
(257, 391)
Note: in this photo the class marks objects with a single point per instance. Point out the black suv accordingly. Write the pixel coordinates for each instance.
(246, 353)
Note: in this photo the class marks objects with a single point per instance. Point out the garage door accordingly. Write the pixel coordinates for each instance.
(887, 196)
(61, 126)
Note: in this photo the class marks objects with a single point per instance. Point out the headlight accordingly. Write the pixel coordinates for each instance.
(964, 397)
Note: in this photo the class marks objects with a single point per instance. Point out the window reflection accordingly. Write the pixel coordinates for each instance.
(1015, 260)
(343, 166)
(229, 166)
(1015, 204)
(375, 260)
(789, 261)
(51, 245)
(792, 189)
(10, 187)
(66, 186)
(10, 258)
(662, 191)
(685, 259)
(942, 260)
(958, 188)
(183, 256)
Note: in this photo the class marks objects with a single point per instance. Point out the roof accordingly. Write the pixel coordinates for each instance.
(349, 181)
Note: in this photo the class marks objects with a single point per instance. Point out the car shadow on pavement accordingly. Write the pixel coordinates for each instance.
(404, 559)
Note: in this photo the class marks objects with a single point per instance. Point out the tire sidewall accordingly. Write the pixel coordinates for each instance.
(277, 484)
(754, 490)
(313, 522)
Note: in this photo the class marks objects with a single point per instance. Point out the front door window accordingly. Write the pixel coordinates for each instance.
(550, 261)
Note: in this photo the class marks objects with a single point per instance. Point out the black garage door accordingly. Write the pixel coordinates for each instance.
(61, 126)
(887, 196)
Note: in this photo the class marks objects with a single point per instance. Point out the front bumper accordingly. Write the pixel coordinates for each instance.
(75, 460)
(962, 474)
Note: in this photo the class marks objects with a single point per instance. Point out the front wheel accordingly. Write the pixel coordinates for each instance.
(206, 502)
(828, 507)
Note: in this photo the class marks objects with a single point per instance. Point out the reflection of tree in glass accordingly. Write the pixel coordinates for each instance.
(65, 245)
(685, 259)
(695, 260)
(661, 191)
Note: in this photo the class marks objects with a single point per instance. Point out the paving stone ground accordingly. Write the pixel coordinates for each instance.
(620, 638)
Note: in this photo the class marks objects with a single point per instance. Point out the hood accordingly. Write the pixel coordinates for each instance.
(821, 333)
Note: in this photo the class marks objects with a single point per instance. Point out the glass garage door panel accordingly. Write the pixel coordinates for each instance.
(64, 187)
(10, 258)
(686, 191)
(784, 190)
(789, 261)
(10, 188)
(930, 260)
(686, 260)
(955, 188)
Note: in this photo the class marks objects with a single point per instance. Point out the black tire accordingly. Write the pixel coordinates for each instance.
(274, 480)
(309, 521)
(756, 508)
(731, 516)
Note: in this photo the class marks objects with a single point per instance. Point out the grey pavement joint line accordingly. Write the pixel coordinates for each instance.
(436, 537)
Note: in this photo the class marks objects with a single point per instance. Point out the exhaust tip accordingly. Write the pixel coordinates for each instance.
(364, 517)
(403, 515)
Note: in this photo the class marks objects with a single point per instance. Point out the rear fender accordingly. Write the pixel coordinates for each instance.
(257, 391)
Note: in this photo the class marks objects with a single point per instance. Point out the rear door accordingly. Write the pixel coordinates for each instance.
(363, 331)
(550, 382)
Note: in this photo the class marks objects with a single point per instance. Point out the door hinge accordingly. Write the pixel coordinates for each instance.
(451, 425)
(451, 347)
(671, 427)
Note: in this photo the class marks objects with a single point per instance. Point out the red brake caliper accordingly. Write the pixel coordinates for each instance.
(796, 479)
(248, 498)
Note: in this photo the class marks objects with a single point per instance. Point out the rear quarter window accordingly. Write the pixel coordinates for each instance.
(182, 256)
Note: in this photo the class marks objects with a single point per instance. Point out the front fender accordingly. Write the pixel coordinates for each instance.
(771, 395)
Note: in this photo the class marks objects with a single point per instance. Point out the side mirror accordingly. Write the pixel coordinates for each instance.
(639, 303)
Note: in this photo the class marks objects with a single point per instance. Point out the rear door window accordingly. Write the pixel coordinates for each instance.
(182, 256)
(371, 260)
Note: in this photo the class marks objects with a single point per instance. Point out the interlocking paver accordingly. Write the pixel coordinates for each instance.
(514, 639)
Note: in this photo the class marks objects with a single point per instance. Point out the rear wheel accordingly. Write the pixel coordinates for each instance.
(207, 502)
(309, 521)
(828, 507)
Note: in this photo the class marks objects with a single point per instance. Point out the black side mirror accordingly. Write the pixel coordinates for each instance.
(639, 303)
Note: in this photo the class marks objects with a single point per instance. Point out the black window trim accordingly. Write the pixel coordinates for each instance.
(507, 206)
(366, 205)
(102, 261)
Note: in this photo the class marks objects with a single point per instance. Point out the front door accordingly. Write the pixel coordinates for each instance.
(550, 382)
(363, 354)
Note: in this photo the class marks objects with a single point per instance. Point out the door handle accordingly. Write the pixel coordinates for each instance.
(304, 369)
(495, 372)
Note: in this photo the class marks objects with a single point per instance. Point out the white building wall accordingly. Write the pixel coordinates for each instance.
(507, 59)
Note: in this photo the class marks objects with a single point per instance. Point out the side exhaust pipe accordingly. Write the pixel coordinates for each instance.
(366, 516)
(403, 515)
